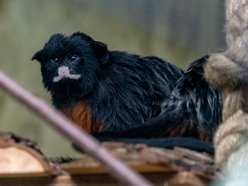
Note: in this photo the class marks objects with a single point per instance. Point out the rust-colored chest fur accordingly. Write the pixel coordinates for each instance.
(80, 113)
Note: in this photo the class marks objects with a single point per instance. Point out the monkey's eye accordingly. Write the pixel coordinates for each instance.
(73, 57)
(54, 60)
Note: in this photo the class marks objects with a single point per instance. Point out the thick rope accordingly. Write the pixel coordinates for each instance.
(228, 72)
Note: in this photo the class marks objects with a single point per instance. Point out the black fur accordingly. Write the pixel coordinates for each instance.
(122, 90)
(193, 109)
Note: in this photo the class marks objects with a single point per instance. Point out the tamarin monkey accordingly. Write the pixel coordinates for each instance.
(116, 94)
(102, 90)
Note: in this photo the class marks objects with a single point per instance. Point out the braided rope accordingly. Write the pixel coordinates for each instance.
(227, 71)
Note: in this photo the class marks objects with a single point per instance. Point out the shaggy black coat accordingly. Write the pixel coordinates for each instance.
(194, 109)
(104, 90)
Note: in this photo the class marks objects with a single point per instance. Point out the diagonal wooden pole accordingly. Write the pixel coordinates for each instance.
(80, 138)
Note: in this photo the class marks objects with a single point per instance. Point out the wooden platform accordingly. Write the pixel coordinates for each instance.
(161, 166)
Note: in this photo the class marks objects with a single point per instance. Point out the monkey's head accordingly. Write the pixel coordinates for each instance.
(71, 65)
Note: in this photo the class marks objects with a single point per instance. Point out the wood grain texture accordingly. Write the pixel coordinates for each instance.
(170, 167)
(20, 155)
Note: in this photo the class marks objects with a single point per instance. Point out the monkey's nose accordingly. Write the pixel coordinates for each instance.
(63, 70)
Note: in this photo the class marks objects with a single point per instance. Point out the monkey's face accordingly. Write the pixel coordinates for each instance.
(71, 65)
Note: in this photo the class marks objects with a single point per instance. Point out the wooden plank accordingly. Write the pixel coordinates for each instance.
(96, 170)
(158, 179)
(142, 168)
(161, 166)
(95, 175)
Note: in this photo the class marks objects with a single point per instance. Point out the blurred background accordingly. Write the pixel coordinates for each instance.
(178, 31)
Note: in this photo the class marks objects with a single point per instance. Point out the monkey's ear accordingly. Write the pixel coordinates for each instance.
(38, 56)
(101, 51)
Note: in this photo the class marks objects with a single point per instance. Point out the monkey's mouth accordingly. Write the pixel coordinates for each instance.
(63, 73)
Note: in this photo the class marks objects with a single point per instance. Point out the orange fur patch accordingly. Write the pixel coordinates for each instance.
(204, 136)
(80, 113)
(187, 130)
